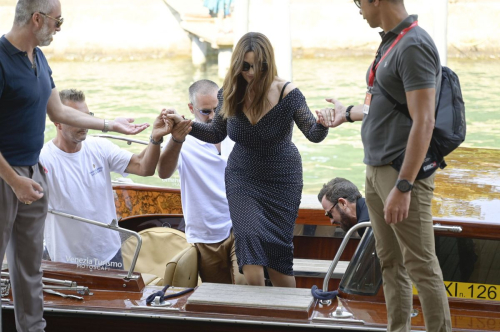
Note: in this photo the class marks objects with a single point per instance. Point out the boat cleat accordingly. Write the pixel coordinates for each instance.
(159, 303)
(341, 313)
(325, 302)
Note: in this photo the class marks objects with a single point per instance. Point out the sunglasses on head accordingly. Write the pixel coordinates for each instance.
(59, 21)
(247, 66)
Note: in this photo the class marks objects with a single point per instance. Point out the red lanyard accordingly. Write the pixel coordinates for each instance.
(371, 78)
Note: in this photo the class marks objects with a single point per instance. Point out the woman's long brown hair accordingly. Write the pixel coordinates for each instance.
(237, 90)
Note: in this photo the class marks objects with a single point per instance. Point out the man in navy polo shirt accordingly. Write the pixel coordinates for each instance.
(27, 94)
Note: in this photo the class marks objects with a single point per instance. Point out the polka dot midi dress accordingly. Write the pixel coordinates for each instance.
(264, 178)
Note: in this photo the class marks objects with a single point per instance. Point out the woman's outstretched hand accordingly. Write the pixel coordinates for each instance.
(171, 113)
(332, 117)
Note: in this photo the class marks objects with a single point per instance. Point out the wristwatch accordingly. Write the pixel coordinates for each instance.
(348, 113)
(106, 126)
(404, 185)
(155, 142)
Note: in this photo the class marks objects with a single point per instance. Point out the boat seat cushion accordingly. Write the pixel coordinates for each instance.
(151, 280)
(159, 246)
(182, 270)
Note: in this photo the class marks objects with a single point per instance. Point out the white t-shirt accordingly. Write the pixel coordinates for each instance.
(203, 191)
(80, 184)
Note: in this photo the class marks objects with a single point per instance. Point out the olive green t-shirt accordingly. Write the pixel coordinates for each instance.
(412, 64)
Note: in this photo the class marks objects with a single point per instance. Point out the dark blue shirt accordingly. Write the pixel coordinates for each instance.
(24, 93)
(361, 214)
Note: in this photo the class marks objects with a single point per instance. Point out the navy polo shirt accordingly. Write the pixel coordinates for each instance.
(24, 93)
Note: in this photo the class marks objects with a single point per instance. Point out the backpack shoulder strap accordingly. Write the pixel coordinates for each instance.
(403, 108)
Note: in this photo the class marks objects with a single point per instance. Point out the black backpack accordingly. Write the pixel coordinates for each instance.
(449, 130)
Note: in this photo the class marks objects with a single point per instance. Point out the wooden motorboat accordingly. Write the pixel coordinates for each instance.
(467, 230)
(115, 301)
(468, 188)
(466, 206)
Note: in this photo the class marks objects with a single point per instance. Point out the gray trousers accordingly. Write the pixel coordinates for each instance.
(21, 229)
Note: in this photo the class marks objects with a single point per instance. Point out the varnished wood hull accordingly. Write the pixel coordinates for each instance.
(127, 311)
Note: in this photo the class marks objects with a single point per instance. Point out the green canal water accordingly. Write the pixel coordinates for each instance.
(142, 89)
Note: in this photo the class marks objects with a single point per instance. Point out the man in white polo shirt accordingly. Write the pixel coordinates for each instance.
(203, 192)
(78, 176)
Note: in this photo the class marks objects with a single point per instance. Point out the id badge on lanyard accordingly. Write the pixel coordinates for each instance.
(368, 100)
(374, 67)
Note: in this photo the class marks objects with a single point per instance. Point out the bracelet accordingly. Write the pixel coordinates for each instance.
(152, 141)
(177, 141)
(348, 113)
(106, 126)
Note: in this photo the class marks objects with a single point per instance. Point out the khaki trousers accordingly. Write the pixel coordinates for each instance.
(21, 231)
(217, 262)
(406, 251)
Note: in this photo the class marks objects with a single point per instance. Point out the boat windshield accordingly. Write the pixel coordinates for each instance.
(470, 267)
(363, 275)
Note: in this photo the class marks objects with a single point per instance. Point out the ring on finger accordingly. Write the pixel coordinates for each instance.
(28, 202)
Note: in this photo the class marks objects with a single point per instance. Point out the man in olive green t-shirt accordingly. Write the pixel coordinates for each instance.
(398, 204)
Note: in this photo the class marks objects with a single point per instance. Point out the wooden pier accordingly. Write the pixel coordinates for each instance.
(206, 33)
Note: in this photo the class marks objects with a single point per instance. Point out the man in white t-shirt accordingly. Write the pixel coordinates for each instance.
(203, 192)
(78, 176)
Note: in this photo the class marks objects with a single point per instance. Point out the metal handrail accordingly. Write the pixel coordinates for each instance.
(333, 265)
(121, 138)
(454, 229)
(113, 226)
(63, 283)
(336, 259)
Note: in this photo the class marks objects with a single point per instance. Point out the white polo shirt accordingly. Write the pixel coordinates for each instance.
(203, 191)
(80, 184)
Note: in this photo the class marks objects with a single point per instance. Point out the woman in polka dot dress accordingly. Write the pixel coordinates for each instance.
(257, 109)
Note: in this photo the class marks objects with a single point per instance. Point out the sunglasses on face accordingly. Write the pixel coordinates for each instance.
(206, 111)
(357, 3)
(59, 21)
(247, 66)
(329, 212)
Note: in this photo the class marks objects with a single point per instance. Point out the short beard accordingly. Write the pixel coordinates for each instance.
(44, 36)
(346, 222)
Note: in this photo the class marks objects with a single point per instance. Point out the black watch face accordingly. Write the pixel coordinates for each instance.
(404, 186)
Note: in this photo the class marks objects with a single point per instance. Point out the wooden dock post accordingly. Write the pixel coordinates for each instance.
(198, 51)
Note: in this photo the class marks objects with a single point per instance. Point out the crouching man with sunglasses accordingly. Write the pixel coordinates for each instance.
(201, 169)
(343, 204)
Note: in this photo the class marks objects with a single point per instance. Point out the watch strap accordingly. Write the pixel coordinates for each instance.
(348, 113)
(404, 185)
(176, 140)
(106, 126)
